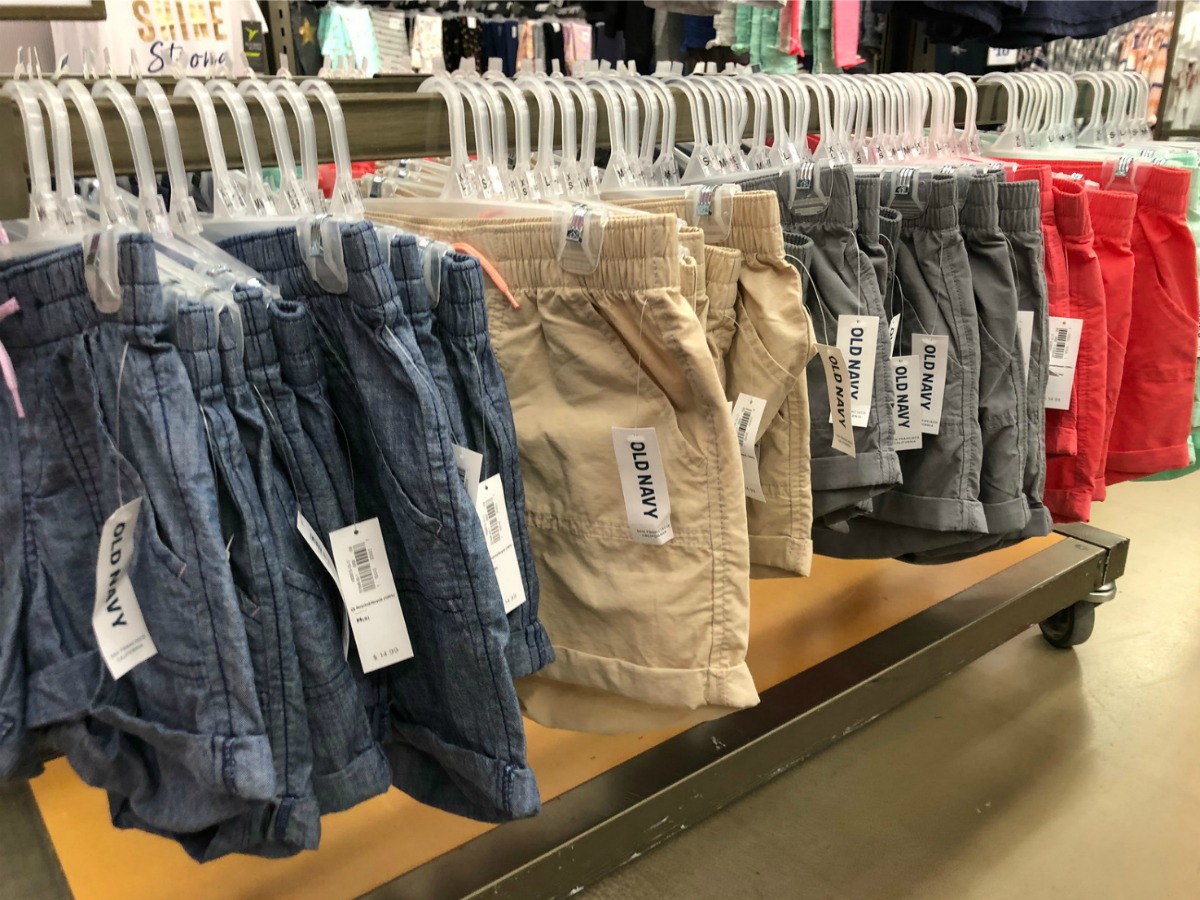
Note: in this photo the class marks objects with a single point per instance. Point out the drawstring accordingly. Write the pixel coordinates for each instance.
(492, 272)
(6, 367)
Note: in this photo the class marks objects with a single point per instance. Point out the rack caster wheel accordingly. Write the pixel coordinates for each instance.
(1070, 627)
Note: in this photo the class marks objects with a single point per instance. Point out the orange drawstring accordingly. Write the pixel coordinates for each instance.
(492, 272)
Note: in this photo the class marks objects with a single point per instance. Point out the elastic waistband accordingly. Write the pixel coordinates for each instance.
(841, 207)
(52, 291)
(233, 365)
(292, 329)
(1043, 177)
(664, 206)
(1113, 213)
(1020, 206)
(941, 208)
(692, 286)
(639, 252)
(409, 271)
(981, 210)
(260, 351)
(889, 226)
(462, 308)
(692, 241)
(755, 226)
(800, 248)
(1071, 211)
(1166, 190)
(722, 265)
(196, 338)
(867, 192)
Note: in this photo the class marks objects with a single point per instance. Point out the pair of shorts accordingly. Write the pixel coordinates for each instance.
(644, 635)
(179, 741)
(453, 337)
(456, 739)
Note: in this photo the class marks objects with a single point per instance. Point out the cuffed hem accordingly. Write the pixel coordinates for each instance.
(1006, 517)
(1074, 505)
(1040, 524)
(606, 695)
(781, 557)
(458, 780)
(932, 513)
(841, 472)
(366, 776)
(1128, 465)
(1062, 442)
(529, 649)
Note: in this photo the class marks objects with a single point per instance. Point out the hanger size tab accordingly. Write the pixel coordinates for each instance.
(1123, 166)
(580, 237)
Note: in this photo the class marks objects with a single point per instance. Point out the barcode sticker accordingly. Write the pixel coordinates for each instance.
(856, 338)
(121, 634)
(470, 466)
(497, 534)
(747, 413)
(369, 593)
(1064, 337)
(644, 484)
(905, 415)
(1025, 333)
(933, 353)
(838, 384)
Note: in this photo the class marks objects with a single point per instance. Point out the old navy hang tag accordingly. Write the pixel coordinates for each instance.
(369, 593)
(644, 484)
(932, 352)
(747, 413)
(493, 516)
(1064, 336)
(837, 381)
(905, 414)
(470, 467)
(121, 633)
(893, 331)
(856, 338)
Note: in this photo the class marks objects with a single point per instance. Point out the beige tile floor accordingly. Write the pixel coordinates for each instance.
(1033, 773)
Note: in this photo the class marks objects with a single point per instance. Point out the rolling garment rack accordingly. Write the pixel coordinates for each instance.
(830, 653)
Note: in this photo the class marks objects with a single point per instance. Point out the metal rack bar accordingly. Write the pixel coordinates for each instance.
(602, 824)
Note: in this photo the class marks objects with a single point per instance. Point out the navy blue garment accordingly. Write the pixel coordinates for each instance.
(457, 740)
(178, 741)
(453, 337)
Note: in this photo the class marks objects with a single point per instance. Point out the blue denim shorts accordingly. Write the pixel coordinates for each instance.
(291, 821)
(179, 741)
(302, 369)
(454, 342)
(348, 764)
(457, 741)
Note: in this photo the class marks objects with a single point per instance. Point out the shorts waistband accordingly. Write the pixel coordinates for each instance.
(196, 338)
(259, 344)
(800, 248)
(889, 225)
(462, 309)
(841, 208)
(755, 228)
(1166, 190)
(692, 240)
(52, 291)
(868, 189)
(1020, 206)
(941, 208)
(295, 340)
(722, 265)
(639, 252)
(1071, 211)
(233, 365)
(1043, 177)
(1113, 213)
(692, 286)
(981, 211)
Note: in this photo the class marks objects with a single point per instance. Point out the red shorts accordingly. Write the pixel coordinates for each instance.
(1070, 480)
(1061, 437)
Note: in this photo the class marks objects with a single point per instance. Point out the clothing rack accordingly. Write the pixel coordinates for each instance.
(599, 821)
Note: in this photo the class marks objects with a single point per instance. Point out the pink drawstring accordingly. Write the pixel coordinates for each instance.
(492, 272)
(6, 367)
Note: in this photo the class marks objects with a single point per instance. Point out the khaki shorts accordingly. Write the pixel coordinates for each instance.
(645, 636)
(766, 345)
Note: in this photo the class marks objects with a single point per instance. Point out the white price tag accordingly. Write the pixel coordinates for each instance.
(856, 338)
(395, 23)
(472, 22)
(1063, 335)
(121, 632)
(838, 383)
(747, 415)
(1025, 333)
(644, 484)
(893, 332)
(904, 411)
(493, 516)
(369, 593)
(470, 465)
(932, 352)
